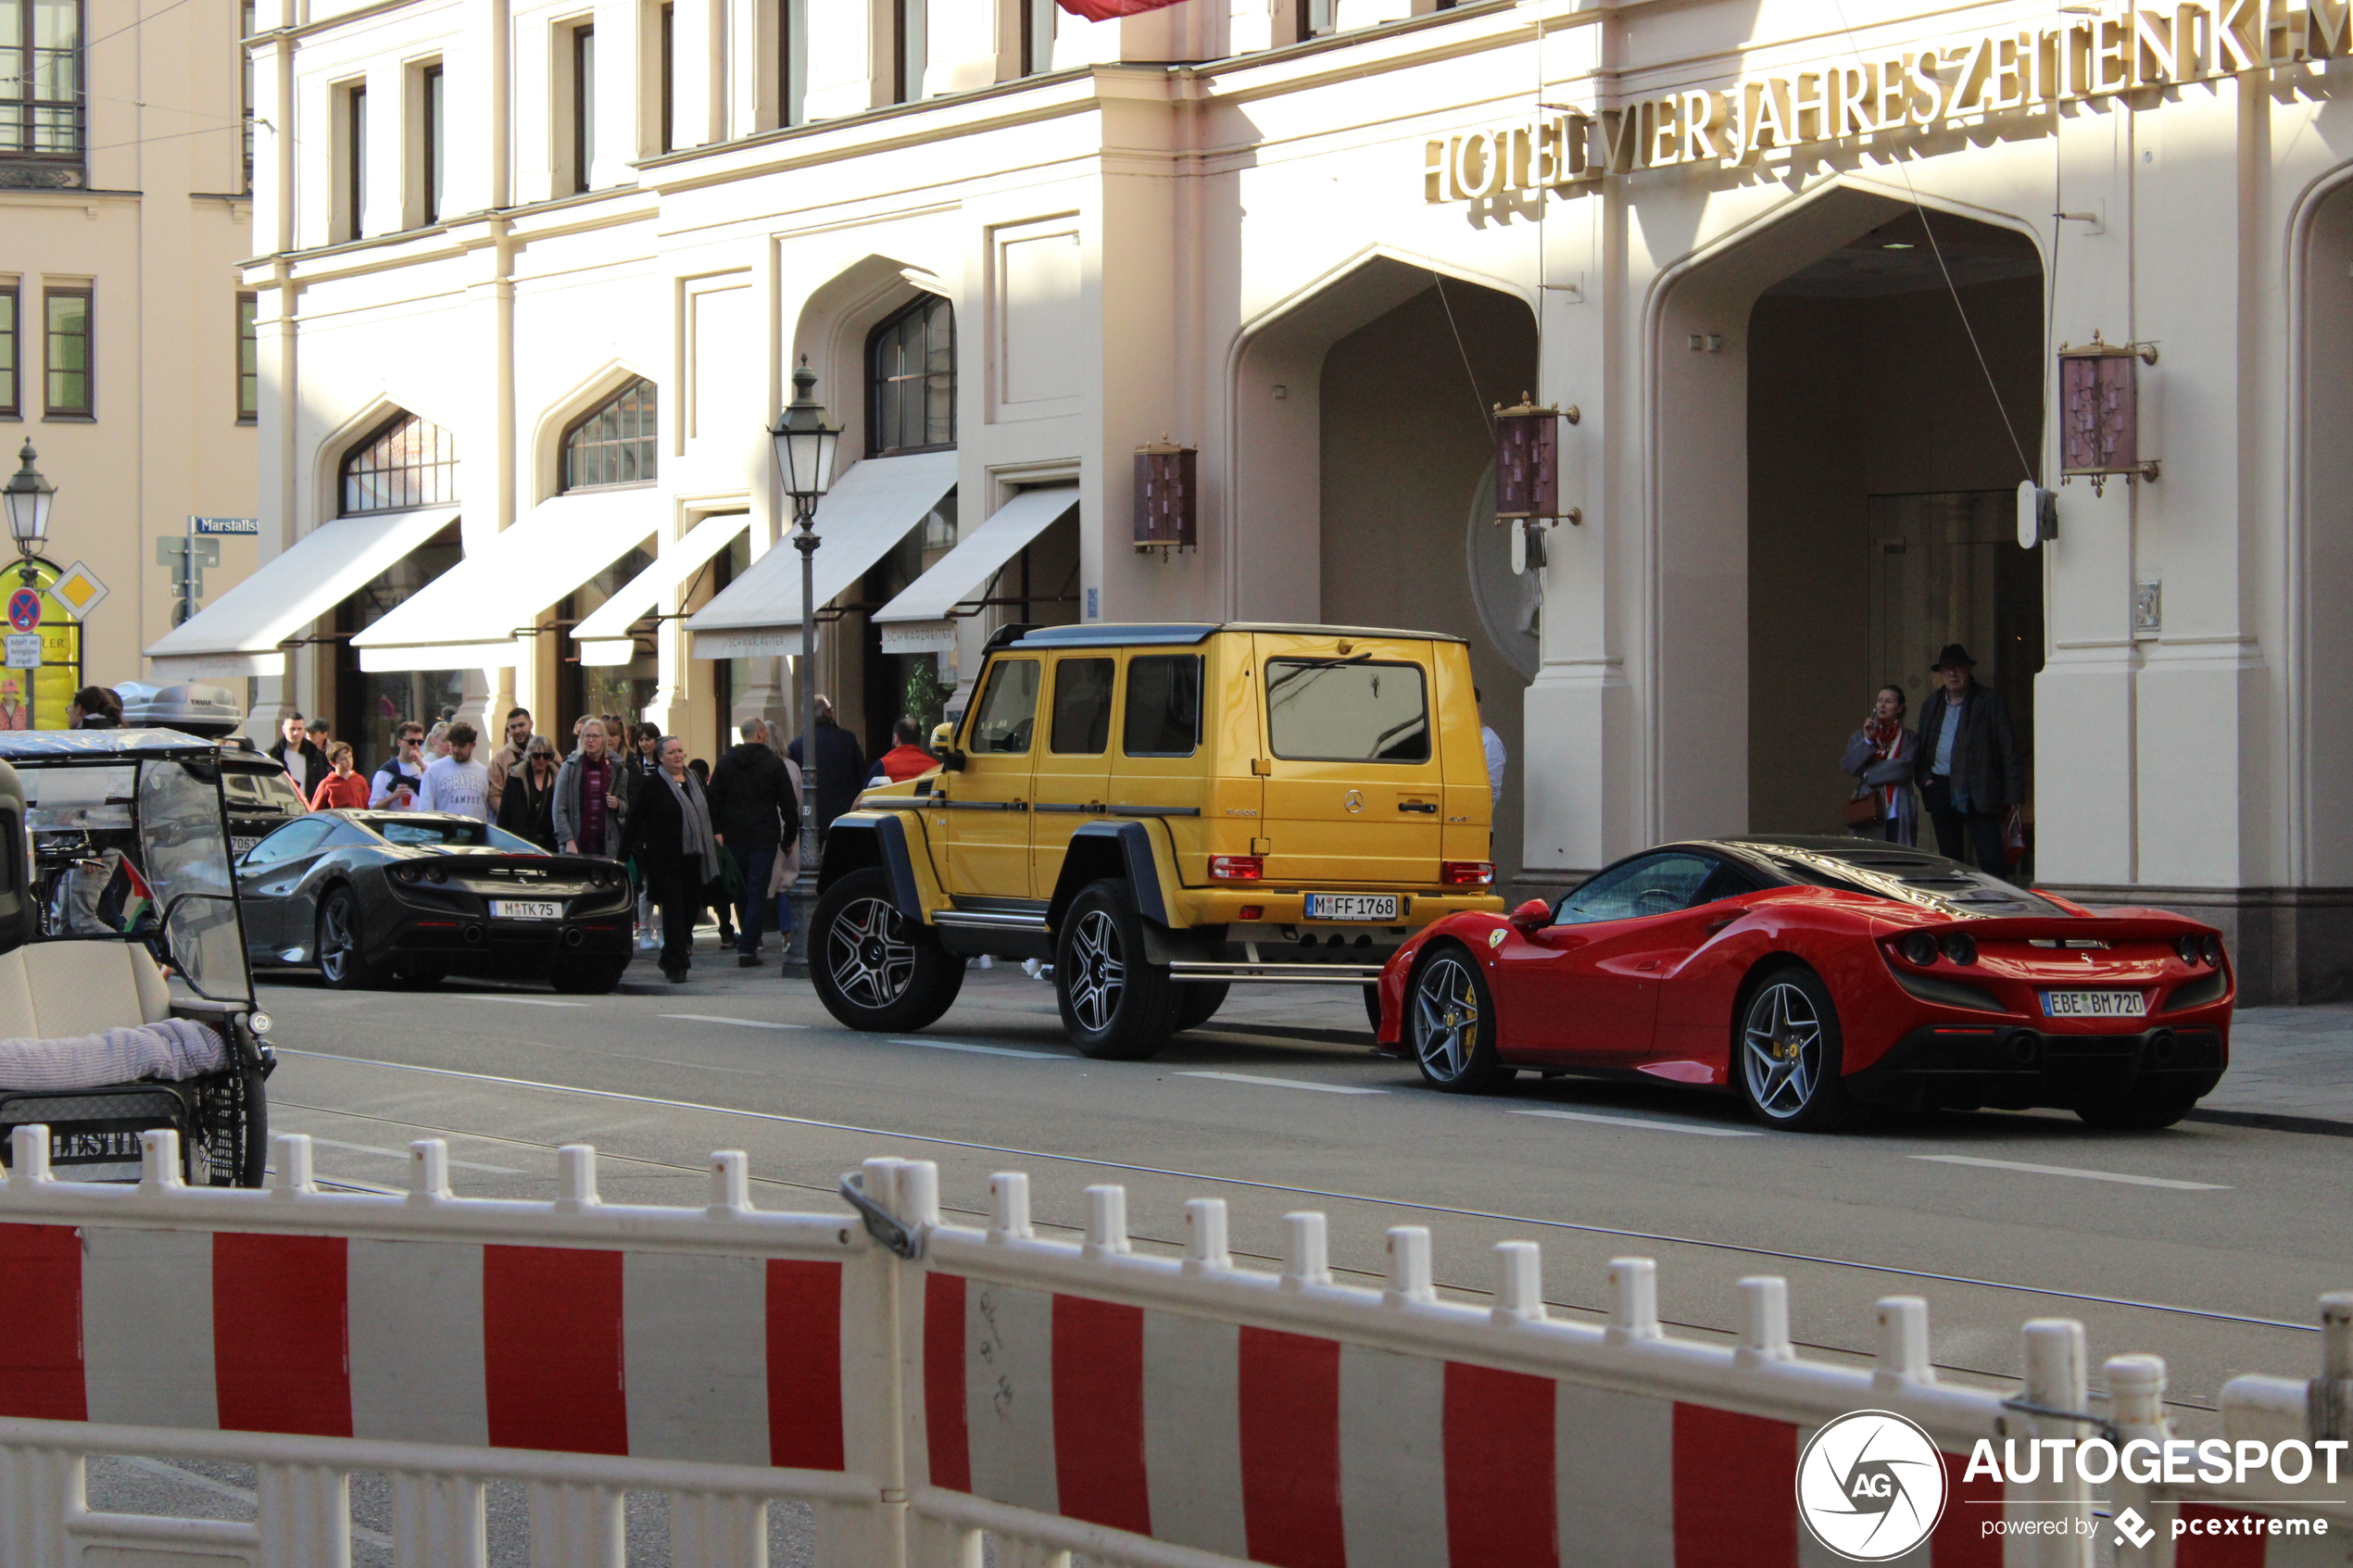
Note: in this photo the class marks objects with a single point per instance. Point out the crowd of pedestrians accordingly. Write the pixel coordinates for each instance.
(698, 838)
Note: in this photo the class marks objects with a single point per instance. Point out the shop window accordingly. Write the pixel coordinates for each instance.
(407, 462)
(66, 317)
(613, 443)
(369, 705)
(11, 356)
(249, 358)
(911, 380)
(41, 78)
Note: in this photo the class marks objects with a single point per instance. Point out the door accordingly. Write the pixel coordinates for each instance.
(1072, 775)
(1593, 997)
(1355, 790)
(989, 800)
(266, 878)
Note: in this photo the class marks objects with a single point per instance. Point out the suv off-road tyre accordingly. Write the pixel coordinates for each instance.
(1197, 1003)
(1451, 1024)
(1115, 1003)
(1788, 1054)
(875, 969)
(343, 945)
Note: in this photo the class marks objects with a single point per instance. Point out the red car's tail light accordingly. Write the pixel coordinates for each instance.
(2187, 946)
(1237, 868)
(1465, 873)
(1918, 947)
(2212, 947)
(1959, 946)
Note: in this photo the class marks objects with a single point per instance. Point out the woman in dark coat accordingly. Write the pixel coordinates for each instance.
(669, 834)
(528, 807)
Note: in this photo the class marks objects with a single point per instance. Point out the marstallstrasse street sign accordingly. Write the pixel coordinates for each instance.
(224, 525)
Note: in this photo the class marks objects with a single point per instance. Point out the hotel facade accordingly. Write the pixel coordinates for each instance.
(1811, 284)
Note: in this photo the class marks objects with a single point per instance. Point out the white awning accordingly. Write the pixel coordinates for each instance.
(238, 634)
(475, 615)
(870, 508)
(604, 635)
(919, 619)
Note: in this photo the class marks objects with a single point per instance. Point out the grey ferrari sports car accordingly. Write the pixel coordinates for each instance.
(370, 896)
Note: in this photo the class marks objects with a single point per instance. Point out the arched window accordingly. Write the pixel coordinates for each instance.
(613, 443)
(407, 462)
(911, 380)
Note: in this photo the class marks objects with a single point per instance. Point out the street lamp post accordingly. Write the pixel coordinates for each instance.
(28, 498)
(805, 445)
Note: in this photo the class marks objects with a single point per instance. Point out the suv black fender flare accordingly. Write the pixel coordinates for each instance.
(1099, 850)
(855, 842)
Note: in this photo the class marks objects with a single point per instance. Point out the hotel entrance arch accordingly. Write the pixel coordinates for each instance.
(1364, 493)
(1846, 403)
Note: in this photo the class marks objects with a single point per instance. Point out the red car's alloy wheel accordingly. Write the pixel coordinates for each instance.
(1449, 1024)
(1788, 1052)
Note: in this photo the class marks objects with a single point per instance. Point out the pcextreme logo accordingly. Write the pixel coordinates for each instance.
(1870, 1486)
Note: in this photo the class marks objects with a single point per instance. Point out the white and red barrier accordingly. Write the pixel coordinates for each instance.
(1144, 1411)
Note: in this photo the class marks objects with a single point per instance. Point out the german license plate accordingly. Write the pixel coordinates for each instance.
(239, 846)
(526, 909)
(1352, 905)
(2095, 1004)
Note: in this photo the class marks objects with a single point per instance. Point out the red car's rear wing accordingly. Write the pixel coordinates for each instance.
(2157, 925)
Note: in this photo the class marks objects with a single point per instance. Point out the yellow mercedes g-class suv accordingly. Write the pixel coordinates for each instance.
(1160, 810)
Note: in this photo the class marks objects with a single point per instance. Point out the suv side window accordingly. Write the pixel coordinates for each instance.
(1163, 705)
(1008, 710)
(1082, 706)
(1648, 884)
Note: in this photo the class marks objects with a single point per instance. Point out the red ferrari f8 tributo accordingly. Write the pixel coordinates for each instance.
(1819, 978)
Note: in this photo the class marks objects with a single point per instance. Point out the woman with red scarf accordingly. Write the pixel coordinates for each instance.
(1884, 755)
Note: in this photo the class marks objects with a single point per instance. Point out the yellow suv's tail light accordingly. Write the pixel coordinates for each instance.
(1238, 868)
(1465, 873)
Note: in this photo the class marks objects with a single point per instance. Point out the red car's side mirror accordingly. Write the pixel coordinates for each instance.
(1532, 916)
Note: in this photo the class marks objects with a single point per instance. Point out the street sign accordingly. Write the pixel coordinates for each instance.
(222, 526)
(24, 611)
(24, 650)
(79, 590)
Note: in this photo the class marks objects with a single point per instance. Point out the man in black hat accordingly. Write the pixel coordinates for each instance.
(1970, 773)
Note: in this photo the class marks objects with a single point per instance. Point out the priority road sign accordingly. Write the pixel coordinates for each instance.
(24, 611)
(79, 590)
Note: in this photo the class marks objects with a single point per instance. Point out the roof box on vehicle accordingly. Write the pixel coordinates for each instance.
(187, 707)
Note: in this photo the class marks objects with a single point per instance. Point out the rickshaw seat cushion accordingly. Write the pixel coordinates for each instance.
(58, 990)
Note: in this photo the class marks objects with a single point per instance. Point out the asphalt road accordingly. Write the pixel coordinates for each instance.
(2207, 1244)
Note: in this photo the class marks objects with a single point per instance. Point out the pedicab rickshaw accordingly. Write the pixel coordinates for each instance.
(125, 1002)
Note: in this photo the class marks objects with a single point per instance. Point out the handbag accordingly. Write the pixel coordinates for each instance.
(1862, 808)
(2014, 838)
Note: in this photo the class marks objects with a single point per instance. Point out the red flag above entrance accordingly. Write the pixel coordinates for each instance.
(1108, 10)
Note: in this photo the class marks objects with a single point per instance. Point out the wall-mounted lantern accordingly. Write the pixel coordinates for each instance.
(1168, 507)
(2100, 412)
(1528, 483)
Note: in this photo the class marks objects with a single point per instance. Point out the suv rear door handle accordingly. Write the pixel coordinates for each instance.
(1424, 805)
